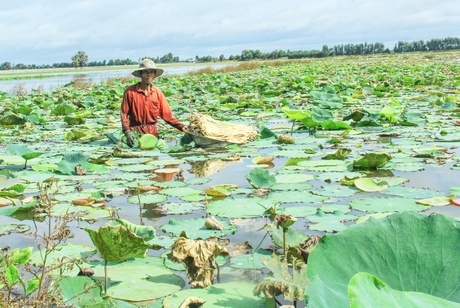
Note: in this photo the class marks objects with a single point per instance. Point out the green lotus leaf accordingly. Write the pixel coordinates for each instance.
(145, 232)
(148, 142)
(195, 228)
(260, 178)
(370, 185)
(23, 151)
(63, 109)
(366, 290)
(290, 283)
(117, 243)
(372, 161)
(225, 294)
(239, 207)
(250, 261)
(377, 247)
(435, 201)
(293, 236)
(296, 115)
(333, 125)
(394, 204)
(71, 288)
(10, 228)
(341, 154)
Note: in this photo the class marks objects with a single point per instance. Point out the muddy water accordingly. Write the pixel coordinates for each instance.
(51, 83)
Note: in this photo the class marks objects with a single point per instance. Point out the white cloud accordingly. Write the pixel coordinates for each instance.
(50, 31)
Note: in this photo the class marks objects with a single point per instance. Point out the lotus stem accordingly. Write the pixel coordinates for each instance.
(218, 270)
(292, 127)
(106, 277)
(284, 243)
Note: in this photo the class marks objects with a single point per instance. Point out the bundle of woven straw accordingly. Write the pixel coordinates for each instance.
(204, 125)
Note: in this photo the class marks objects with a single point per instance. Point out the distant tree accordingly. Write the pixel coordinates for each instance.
(6, 66)
(221, 58)
(80, 59)
(325, 51)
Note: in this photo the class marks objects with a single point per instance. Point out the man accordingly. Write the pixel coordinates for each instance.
(144, 103)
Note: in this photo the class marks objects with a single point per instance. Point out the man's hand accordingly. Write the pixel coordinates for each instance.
(129, 139)
(184, 129)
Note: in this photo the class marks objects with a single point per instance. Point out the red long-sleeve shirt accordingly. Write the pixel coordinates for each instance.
(140, 112)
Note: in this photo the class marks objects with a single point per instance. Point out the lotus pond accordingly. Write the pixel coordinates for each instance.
(368, 184)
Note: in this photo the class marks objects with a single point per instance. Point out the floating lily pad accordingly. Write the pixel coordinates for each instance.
(139, 280)
(181, 207)
(395, 204)
(239, 207)
(370, 185)
(413, 192)
(181, 191)
(13, 228)
(148, 198)
(227, 294)
(298, 197)
(326, 165)
(333, 190)
(293, 178)
(250, 261)
(195, 228)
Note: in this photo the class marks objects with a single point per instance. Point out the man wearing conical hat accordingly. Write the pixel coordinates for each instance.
(143, 104)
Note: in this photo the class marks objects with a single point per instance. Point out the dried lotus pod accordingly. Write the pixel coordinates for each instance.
(285, 139)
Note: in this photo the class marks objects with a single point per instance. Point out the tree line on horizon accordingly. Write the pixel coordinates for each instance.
(81, 58)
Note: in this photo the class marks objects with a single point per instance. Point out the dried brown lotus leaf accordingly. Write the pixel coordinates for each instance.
(213, 224)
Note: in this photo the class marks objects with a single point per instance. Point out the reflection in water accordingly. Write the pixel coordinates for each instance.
(207, 167)
(168, 173)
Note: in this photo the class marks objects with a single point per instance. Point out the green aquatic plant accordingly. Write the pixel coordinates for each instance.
(120, 241)
(380, 248)
(24, 152)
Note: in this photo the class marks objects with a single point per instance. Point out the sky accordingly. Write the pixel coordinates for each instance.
(52, 31)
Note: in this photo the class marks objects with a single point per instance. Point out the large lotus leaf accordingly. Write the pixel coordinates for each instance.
(291, 178)
(180, 191)
(147, 198)
(296, 114)
(239, 207)
(181, 207)
(336, 191)
(329, 221)
(298, 197)
(23, 151)
(83, 291)
(140, 280)
(283, 281)
(413, 192)
(260, 178)
(409, 251)
(335, 165)
(145, 232)
(227, 294)
(117, 243)
(366, 290)
(395, 204)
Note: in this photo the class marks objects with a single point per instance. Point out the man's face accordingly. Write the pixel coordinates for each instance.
(147, 76)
